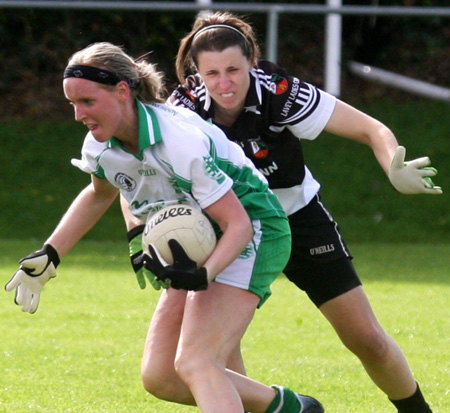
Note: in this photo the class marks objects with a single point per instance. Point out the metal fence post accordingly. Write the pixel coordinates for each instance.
(333, 42)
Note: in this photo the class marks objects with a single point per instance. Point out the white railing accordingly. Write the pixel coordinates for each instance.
(333, 12)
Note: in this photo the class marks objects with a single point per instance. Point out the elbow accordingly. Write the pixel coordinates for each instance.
(248, 231)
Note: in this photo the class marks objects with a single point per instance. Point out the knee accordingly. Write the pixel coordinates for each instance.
(158, 384)
(191, 364)
(372, 344)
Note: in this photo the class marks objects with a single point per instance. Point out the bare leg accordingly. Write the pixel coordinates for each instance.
(202, 351)
(354, 321)
(157, 367)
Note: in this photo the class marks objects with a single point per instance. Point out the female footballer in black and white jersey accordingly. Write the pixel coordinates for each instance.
(267, 111)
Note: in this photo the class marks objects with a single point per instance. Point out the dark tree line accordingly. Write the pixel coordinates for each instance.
(36, 43)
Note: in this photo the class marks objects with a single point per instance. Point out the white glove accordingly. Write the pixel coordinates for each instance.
(35, 270)
(413, 177)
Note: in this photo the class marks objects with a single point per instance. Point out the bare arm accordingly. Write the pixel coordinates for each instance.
(348, 122)
(84, 212)
(237, 229)
(130, 220)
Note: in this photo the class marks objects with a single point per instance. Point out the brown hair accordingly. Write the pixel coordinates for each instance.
(104, 55)
(226, 30)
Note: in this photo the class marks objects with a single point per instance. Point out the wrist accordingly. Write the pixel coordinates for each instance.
(52, 254)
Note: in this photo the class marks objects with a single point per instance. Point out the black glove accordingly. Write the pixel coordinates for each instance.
(183, 274)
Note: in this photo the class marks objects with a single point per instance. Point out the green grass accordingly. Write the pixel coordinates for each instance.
(81, 351)
(38, 181)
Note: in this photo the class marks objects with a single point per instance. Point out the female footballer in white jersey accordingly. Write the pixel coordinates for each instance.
(155, 156)
(267, 111)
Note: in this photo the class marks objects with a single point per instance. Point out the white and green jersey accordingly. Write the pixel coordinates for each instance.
(181, 159)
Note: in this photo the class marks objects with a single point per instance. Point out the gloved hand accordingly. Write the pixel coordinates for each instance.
(183, 274)
(137, 259)
(413, 177)
(35, 270)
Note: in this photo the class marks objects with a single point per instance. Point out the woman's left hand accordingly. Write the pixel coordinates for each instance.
(413, 177)
(183, 274)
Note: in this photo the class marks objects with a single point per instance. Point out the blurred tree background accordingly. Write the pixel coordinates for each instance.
(36, 44)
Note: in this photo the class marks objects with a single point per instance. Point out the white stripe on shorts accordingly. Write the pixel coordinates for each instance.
(335, 226)
(239, 273)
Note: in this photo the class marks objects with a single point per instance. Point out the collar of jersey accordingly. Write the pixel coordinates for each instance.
(253, 98)
(149, 129)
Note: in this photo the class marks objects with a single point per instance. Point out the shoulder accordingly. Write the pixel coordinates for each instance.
(190, 94)
(290, 99)
(92, 146)
(270, 76)
(180, 125)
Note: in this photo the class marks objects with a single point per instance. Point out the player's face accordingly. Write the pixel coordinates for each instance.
(226, 76)
(97, 107)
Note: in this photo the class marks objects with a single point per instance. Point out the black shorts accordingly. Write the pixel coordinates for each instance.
(320, 263)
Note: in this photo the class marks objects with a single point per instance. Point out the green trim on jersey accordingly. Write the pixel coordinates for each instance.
(147, 136)
(252, 192)
(181, 158)
(149, 131)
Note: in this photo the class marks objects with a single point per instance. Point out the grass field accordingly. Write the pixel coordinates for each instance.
(39, 182)
(81, 351)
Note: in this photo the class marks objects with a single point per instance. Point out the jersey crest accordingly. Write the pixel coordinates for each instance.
(259, 149)
(278, 85)
(125, 182)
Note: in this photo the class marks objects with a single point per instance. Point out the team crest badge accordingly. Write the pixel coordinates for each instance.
(278, 85)
(259, 149)
(125, 181)
(191, 96)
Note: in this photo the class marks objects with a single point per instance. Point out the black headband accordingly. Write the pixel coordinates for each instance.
(95, 74)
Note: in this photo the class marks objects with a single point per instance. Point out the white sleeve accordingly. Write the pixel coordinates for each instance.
(89, 153)
(311, 127)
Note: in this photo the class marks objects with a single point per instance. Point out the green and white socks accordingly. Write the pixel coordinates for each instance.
(284, 402)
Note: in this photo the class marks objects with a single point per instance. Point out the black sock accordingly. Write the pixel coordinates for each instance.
(413, 404)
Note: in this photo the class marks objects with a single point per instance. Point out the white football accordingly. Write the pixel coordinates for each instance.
(188, 225)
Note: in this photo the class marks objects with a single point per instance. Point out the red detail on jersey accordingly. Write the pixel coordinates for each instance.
(282, 86)
(261, 154)
(191, 96)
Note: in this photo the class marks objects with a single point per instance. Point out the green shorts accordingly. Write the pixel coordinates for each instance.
(263, 260)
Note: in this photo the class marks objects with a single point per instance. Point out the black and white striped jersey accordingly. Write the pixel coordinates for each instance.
(279, 111)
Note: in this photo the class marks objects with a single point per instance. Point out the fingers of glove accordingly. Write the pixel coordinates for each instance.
(15, 280)
(21, 277)
(21, 295)
(194, 281)
(398, 161)
(31, 304)
(34, 303)
(155, 263)
(428, 171)
(26, 299)
(435, 190)
(418, 163)
(156, 256)
(152, 278)
(140, 278)
(180, 258)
